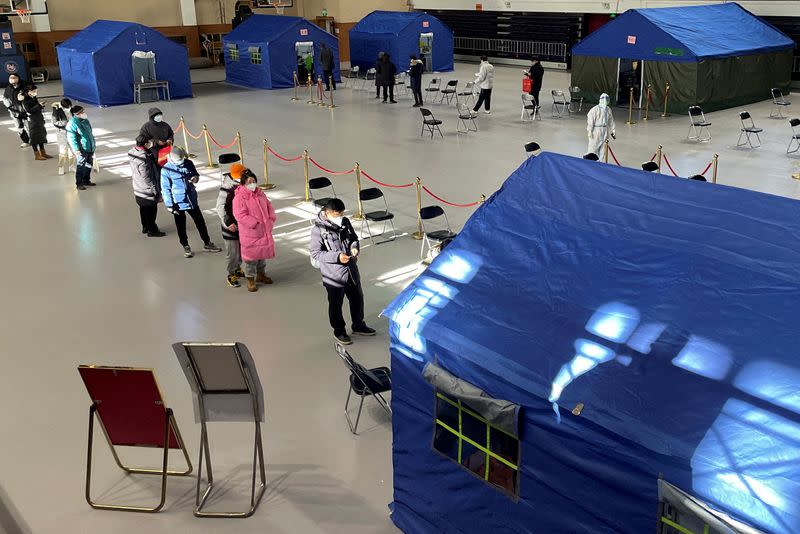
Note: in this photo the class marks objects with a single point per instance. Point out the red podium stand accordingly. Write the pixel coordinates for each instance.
(131, 412)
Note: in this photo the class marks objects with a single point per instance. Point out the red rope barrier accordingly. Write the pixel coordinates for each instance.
(180, 127)
(613, 156)
(706, 169)
(440, 199)
(670, 166)
(341, 173)
(368, 177)
(654, 156)
(288, 160)
(223, 147)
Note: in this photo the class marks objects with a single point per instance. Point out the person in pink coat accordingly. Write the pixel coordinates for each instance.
(255, 218)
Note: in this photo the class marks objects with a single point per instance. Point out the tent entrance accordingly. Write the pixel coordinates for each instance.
(144, 70)
(630, 73)
(426, 50)
(305, 60)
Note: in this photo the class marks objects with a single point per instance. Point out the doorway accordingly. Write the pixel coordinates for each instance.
(426, 50)
(630, 74)
(304, 52)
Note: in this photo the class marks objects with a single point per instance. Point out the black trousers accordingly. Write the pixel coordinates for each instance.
(148, 210)
(199, 222)
(328, 75)
(390, 90)
(336, 297)
(416, 88)
(535, 95)
(484, 97)
(83, 169)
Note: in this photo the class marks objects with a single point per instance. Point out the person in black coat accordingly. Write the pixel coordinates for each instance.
(386, 77)
(12, 102)
(159, 131)
(326, 61)
(34, 121)
(415, 78)
(378, 67)
(536, 74)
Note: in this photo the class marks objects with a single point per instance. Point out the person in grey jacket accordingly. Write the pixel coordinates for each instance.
(146, 184)
(335, 246)
(326, 62)
(230, 228)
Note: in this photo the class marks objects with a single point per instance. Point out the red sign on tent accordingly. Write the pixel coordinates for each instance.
(631, 39)
(426, 24)
(303, 31)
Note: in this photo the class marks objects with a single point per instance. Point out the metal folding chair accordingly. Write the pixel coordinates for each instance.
(352, 76)
(379, 215)
(465, 114)
(369, 76)
(467, 94)
(697, 124)
(437, 235)
(748, 130)
(450, 90)
(795, 140)
(780, 102)
(434, 86)
(532, 148)
(364, 383)
(529, 108)
(575, 98)
(560, 104)
(315, 184)
(401, 82)
(430, 122)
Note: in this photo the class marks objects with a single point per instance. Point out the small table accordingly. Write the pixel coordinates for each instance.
(159, 85)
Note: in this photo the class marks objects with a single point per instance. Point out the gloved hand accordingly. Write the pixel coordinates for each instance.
(173, 209)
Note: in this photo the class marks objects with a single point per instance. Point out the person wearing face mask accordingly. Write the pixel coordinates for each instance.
(230, 229)
(146, 185)
(12, 103)
(178, 176)
(415, 77)
(334, 250)
(60, 120)
(159, 131)
(81, 140)
(255, 219)
(34, 122)
(599, 125)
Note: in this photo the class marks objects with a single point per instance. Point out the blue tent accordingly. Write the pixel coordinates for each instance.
(398, 34)
(261, 53)
(716, 56)
(96, 62)
(626, 326)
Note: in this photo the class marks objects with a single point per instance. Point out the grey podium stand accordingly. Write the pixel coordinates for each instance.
(226, 388)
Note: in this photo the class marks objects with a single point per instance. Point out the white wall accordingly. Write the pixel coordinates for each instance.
(786, 8)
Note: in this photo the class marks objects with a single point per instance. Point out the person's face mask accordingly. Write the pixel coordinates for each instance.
(158, 118)
(251, 187)
(178, 162)
(603, 102)
(336, 220)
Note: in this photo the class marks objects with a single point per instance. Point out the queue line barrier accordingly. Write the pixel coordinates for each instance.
(659, 156)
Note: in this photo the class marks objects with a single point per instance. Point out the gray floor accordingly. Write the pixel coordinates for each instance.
(81, 285)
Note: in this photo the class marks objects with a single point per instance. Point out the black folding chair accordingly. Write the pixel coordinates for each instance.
(364, 383)
(316, 184)
(780, 102)
(560, 104)
(434, 86)
(437, 235)
(529, 108)
(532, 148)
(430, 122)
(467, 93)
(795, 140)
(650, 166)
(575, 99)
(698, 123)
(449, 91)
(465, 117)
(380, 215)
(748, 129)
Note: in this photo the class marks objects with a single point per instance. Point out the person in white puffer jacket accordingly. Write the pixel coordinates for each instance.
(485, 80)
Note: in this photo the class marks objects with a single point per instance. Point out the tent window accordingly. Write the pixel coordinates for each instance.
(233, 52)
(255, 55)
(475, 444)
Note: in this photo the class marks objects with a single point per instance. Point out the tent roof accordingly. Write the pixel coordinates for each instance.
(387, 21)
(100, 34)
(684, 34)
(263, 28)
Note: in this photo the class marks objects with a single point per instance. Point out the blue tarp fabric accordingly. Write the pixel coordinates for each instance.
(275, 37)
(666, 307)
(96, 62)
(398, 34)
(689, 33)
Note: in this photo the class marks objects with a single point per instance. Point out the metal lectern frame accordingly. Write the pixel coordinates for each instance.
(202, 390)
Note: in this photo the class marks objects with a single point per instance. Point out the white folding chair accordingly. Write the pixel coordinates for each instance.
(467, 94)
(352, 76)
(529, 108)
(560, 104)
(780, 102)
(465, 117)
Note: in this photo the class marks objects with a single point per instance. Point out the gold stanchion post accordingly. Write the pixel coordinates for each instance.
(647, 103)
(715, 162)
(305, 174)
(666, 99)
(483, 199)
(208, 147)
(360, 215)
(310, 91)
(330, 83)
(630, 109)
(659, 154)
(296, 84)
(239, 143)
(182, 125)
(605, 151)
(418, 235)
(320, 92)
(266, 186)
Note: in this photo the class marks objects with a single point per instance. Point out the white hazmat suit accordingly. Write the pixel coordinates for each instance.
(599, 124)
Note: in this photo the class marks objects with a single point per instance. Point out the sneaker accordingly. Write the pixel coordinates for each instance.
(80, 188)
(233, 280)
(239, 273)
(363, 330)
(487, 111)
(473, 114)
(187, 252)
(157, 233)
(344, 339)
(24, 145)
(393, 101)
(416, 105)
(90, 184)
(211, 247)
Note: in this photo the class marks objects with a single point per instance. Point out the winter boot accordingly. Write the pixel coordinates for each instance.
(45, 154)
(251, 284)
(37, 155)
(63, 165)
(262, 278)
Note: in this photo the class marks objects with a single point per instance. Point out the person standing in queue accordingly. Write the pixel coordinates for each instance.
(378, 67)
(146, 183)
(326, 61)
(34, 122)
(536, 75)
(415, 78)
(81, 140)
(255, 218)
(334, 251)
(387, 73)
(12, 103)
(230, 229)
(159, 131)
(60, 120)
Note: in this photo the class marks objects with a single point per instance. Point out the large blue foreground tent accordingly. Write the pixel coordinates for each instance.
(401, 34)
(96, 65)
(265, 50)
(599, 351)
(717, 56)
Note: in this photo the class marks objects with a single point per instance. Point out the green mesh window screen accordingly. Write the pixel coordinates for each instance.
(233, 52)
(255, 55)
